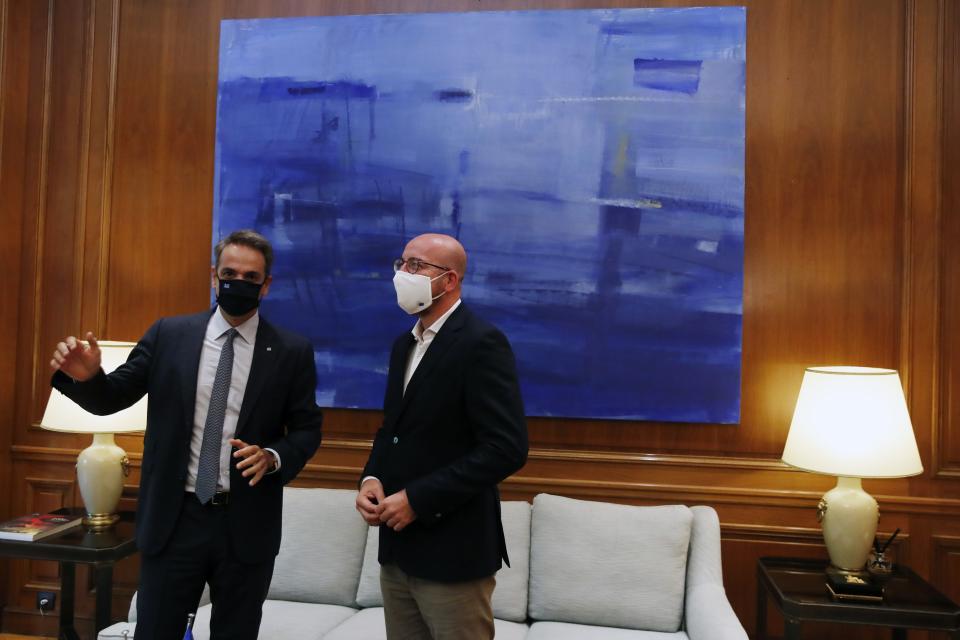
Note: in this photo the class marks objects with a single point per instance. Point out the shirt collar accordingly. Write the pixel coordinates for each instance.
(419, 334)
(218, 326)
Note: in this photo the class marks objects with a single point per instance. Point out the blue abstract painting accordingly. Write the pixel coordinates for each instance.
(591, 162)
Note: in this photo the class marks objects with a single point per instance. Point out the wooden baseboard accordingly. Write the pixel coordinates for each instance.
(13, 636)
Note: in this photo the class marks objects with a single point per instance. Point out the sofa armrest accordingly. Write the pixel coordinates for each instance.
(707, 612)
(709, 615)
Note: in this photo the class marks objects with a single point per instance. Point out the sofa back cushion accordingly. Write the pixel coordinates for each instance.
(321, 551)
(513, 582)
(510, 595)
(368, 591)
(608, 564)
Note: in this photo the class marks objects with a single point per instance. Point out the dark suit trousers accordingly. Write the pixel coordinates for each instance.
(172, 581)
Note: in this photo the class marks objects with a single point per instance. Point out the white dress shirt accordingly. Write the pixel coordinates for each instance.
(213, 342)
(423, 337)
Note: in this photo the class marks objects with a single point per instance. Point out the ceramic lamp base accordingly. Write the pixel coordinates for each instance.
(849, 517)
(101, 469)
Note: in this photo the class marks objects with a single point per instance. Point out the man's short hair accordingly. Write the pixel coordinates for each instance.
(247, 238)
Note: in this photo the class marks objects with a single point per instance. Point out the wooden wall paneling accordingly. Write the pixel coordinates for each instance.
(21, 116)
(922, 117)
(949, 312)
(945, 563)
(163, 182)
(9, 290)
(923, 111)
(97, 155)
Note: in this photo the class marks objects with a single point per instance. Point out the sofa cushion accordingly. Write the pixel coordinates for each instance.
(300, 620)
(282, 619)
(567, 631)
(322, 547)
(368, 625)
(510, 595)
(118, 631)
(596, 563)
(368, 591)
(513, 582)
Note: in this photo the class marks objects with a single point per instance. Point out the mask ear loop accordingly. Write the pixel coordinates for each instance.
(442, 293)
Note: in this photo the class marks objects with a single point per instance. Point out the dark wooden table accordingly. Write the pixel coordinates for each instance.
(798, 588)
(78, 545)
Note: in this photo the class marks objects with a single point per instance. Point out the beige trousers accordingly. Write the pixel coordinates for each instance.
(418, 609)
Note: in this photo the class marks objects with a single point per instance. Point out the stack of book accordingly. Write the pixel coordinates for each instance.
(38, 525)
(854, 587)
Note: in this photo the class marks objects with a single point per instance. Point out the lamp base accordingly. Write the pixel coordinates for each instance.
(100, 521)
(849, 517)
(101, 469)
(839, 573)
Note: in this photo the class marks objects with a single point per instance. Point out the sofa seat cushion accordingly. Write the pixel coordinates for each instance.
(596, 563)
(282, 619)
(321, 550)
(568, 631)
(368, 625)
(510, 594)
(117, 631)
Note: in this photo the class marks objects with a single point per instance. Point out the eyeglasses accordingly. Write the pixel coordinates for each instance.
(415, 264)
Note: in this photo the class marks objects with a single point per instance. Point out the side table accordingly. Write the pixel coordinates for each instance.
(798, 588)
(78, 545)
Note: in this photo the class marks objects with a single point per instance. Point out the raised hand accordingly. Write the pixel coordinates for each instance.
(79, 361)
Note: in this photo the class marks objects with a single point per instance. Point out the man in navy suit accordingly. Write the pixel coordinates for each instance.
(453, 428)
(231, 418)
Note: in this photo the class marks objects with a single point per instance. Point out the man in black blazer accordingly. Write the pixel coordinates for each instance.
(231, 418)
(453, 429)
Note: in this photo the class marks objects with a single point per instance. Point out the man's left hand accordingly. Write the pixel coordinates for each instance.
(396, 512)
(254, 461)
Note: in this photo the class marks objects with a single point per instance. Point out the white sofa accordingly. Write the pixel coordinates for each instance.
(580, 571)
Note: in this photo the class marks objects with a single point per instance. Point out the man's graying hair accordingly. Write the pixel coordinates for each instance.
(247, 238)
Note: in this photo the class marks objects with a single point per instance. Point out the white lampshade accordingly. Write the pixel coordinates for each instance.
(852, 422)
(63, 414)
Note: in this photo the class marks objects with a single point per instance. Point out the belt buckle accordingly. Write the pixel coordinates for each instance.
(220, 499)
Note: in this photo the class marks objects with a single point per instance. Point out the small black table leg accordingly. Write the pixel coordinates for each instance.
(761, 610)
(104, 585)
(791, 629)
(68, 575)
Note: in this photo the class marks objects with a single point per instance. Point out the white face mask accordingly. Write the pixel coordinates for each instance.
(414, 293)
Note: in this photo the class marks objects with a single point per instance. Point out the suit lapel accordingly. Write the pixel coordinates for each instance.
(398, 367)
(191, 347)
(265, 353)
(448, 335)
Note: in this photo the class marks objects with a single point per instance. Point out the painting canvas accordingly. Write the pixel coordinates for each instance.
(590, 161)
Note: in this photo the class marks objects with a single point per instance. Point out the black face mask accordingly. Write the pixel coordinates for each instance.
(238, 297)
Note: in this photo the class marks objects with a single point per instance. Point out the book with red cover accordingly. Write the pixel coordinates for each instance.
(37, 525)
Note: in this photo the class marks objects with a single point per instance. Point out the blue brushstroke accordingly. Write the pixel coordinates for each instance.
(682, 76)
(603, 210)
(338, 89)
(453, 95)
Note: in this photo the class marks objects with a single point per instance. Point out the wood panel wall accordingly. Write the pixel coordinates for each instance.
(107, 120)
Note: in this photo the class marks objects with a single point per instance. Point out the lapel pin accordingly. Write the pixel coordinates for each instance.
(269, 348)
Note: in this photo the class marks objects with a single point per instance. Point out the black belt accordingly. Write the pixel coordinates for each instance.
(219, 499)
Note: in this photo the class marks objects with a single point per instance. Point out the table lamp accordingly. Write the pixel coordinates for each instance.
(103, 465)
(851, 422)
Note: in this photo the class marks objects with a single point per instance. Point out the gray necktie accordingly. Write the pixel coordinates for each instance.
(208, 470)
